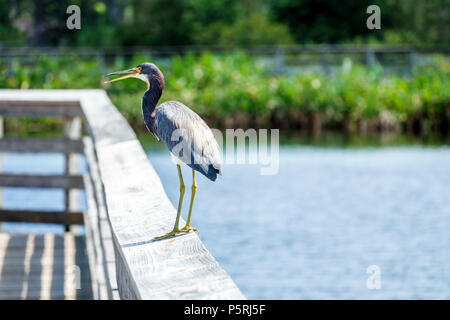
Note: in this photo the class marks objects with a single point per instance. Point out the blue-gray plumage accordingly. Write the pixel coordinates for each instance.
(183, 132)
(188, 137)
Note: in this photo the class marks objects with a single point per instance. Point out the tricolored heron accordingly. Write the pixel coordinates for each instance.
(184, 133)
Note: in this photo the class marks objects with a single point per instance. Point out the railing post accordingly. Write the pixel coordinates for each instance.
(370, 57)
(72, 130)
(324, 62)
(279, 61)
(412, 60)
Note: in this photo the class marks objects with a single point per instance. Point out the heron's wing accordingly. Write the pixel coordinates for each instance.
(188, 137)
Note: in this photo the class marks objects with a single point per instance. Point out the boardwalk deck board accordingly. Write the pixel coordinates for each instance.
(40, 266)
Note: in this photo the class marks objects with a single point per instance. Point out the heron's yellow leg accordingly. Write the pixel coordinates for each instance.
(188, 227)
(176, 229)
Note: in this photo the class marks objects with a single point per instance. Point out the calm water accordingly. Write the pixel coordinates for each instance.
(312, 230)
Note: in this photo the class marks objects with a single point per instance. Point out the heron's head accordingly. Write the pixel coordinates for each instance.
(147, 72)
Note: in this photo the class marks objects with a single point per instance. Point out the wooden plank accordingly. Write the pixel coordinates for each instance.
(104, 284)
(36, 145)
(98, 233)
(58, 217)
(107, 117)
(10, 265)
(108, 126)
(63, 109)
(72, 130)
(41, 181)
(88, 215)
(182, 267)
(40, 266)
(128, 178)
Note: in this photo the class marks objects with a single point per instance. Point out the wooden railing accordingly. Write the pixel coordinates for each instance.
(127, 207)
(164, 51)
(278, 59)
(70, 146)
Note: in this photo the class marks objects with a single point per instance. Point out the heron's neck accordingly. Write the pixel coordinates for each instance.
(151, 98)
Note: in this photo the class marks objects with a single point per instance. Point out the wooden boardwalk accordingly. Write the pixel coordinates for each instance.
(43, 266)
(126, 208)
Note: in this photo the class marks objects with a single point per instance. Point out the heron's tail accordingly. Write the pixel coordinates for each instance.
(210, 171)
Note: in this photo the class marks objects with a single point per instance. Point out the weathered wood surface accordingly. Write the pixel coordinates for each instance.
(41, 181)
(26, 108)
(43, 266)
(58, 217)
(98, 232)
(72, 130)
(36, 145)
(36, 266)
(138, 210)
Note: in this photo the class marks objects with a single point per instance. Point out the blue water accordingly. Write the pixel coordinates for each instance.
(312, 230)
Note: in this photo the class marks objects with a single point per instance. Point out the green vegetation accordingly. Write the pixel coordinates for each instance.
(117, 23)
(236, 91)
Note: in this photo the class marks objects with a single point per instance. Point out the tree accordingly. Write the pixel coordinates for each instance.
(338, 21)
(323, 21)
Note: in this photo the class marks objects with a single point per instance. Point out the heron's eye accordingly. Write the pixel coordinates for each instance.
(138, 69)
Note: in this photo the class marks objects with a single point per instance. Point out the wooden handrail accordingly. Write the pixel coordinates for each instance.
(17, 108)
(36, 145)
(58, 217)
(71, 112)
(174, 50)
(41, 181)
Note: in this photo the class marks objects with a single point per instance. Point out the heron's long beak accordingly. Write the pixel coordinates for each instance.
(129, 73)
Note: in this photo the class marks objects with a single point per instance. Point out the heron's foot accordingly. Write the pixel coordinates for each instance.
(188, 228)
(174, 232)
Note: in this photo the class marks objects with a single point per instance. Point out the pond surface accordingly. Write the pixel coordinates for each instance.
(312, 230)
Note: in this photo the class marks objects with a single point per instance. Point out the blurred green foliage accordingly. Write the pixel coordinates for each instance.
(107, 23)
(235, 89)
(338, 21)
